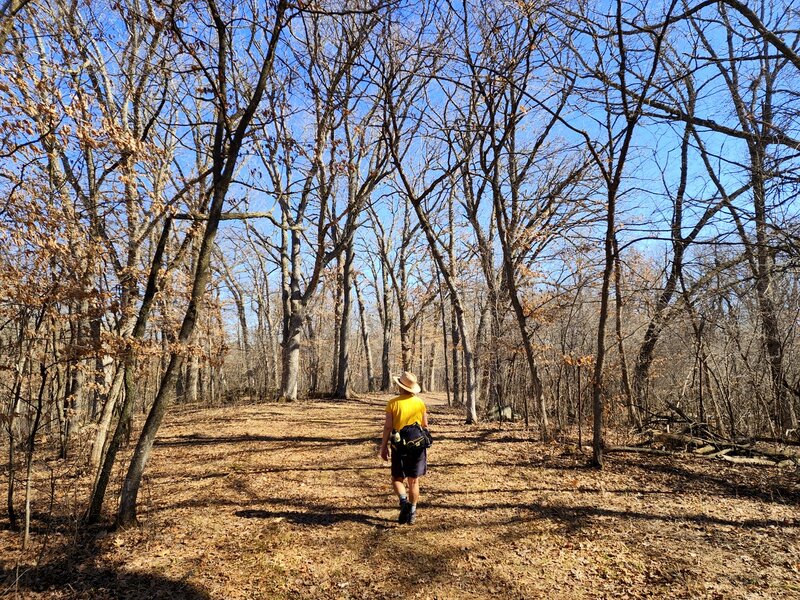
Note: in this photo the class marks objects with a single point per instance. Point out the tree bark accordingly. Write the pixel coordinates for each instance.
(634, 417)
(365, 338)
(386, 314)
(458, 306)
(343, 372)
(290, 364)
(126, 374)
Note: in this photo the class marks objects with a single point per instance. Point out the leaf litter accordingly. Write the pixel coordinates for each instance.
(291, 501)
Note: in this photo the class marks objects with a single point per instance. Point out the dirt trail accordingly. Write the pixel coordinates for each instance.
(291, 501)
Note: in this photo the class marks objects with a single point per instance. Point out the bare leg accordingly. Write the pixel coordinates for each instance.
(413, 489)
(399, 488)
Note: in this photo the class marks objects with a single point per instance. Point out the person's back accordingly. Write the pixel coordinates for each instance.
(406, 409)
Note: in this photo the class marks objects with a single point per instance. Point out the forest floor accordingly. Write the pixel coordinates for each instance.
(291, 501)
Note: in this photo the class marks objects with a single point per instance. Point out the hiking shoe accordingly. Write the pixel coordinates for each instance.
(412, 517)
(405, 511)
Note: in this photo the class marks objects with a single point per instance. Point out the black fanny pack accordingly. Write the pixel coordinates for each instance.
(411, 439)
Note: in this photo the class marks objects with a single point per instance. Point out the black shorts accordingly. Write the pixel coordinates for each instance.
(412, 465)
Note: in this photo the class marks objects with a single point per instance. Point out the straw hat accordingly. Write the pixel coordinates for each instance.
(408, 381)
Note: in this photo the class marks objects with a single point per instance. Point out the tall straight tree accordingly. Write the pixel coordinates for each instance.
(306, 183)
(423, 164)
(604, 53)
(526, 192)
(753, 76)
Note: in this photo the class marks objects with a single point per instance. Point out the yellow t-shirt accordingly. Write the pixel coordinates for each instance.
(405, 410)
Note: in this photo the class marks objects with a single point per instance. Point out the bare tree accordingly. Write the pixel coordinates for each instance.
(503, 64)
(754, 93)
(329, 48)
(610, 55)
(228, 141)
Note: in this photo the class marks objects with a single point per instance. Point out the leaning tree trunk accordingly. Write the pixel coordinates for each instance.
(521, 317)
(165, 394)
(225, 160)
(126, 375)
(106, 416)
(458, 306)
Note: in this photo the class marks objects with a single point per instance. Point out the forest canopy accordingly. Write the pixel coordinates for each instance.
(557, 211)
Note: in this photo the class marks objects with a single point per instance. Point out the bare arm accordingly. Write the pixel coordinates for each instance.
(425, 419)
(387, 429)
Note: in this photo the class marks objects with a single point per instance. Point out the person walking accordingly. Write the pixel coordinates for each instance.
(402, 410)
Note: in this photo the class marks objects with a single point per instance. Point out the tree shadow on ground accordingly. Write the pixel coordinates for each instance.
(202, 440)
(731, 484)
(74, 574)
(317, 517)
(573, 519)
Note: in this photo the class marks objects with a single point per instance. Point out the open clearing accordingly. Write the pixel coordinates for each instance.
(291, 501)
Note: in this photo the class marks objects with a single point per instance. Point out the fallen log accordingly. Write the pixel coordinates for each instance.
(723, 454)
(689, 441)
(681, 439)
(775, 441)
(641, 450)
(747, 460)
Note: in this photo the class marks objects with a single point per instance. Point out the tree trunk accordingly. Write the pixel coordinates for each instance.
(337, 324)
(386, 346)
(784, 414)
(75, 401)
(634, 417)
(270, 333)
(469, 367)
(343, 372)
(456, 356)
(458, 305)
(597, 379)
(290, 365)
(225, 157)
(106, 417)
(126, 374)
(401, 290)
(444, 344)
(238, 299)
(431, 378)
(365, 339)
(7, 22)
